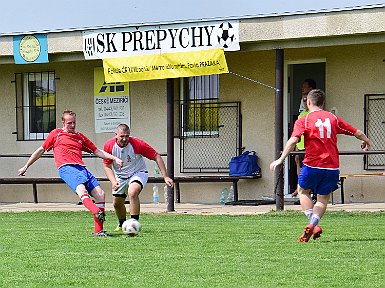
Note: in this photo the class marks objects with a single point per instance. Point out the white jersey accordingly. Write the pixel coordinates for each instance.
(132, 156)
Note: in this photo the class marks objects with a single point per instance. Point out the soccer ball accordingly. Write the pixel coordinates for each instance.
(131, 227)
(225, 34)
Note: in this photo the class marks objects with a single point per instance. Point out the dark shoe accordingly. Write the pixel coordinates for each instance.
(102, 233)
(308, 231)
(101, 216)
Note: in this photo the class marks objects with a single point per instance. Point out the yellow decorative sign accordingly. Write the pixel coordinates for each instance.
(167, 65)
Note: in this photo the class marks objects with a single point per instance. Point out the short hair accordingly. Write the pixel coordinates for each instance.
(67, 112)
(317, 97)
(311, 83)
(123, 127)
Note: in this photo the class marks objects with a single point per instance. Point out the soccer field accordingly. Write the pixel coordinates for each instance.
(56, 249)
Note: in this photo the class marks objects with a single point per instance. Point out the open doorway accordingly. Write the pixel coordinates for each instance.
(297, 73)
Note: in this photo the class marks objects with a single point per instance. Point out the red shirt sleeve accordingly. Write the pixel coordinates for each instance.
(50, 141)
(345, 128)
(108, 148)
(299, 127)
(143, 148)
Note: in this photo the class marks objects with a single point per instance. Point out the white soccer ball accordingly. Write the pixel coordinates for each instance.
(131, 227)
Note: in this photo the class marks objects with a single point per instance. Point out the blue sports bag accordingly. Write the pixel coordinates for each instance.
(245, 164)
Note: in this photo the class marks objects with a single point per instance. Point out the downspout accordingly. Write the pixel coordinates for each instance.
(170, 142)
(278, 175)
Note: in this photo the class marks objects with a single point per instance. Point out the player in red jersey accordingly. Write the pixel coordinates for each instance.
(132, 177)
(67, 145)
(320, 172)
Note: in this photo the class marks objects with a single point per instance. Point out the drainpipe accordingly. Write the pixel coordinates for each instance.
(170, 142)
(278, 175)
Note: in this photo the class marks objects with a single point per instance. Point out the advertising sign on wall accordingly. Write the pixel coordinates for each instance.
(28, 49)
(168, 65)
(111, 103)
(172, 38)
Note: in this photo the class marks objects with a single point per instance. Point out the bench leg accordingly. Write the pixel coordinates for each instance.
(235, 187)
(177, 192)
(34, 187)
(342, 190)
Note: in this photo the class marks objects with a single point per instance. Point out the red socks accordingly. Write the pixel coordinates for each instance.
(87, 202)
(94, 208)
(98, 225)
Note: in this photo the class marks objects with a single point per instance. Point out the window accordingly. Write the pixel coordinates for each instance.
(374, 129)
(35, 105)
(200, 108)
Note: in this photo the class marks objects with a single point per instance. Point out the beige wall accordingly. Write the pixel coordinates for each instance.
(313, 25)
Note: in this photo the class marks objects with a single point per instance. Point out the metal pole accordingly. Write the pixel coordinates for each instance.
(170, 142)
(278, 176)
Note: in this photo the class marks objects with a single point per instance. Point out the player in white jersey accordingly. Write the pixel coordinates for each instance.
(130, 179)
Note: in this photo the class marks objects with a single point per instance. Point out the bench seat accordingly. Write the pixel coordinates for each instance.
(343, 177)
(177, 179)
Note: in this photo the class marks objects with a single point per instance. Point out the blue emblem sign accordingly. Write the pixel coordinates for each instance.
(28, 49)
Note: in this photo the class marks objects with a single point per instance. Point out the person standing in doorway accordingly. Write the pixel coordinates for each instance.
(67, 145)
(306, 86)
(320, 172)
(133, 175)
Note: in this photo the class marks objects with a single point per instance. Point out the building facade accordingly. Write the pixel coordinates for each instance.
(342, 50)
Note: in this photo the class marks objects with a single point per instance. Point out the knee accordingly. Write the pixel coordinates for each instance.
(133, 194)
(100, 195)
(323, 200)
(118, 204)
(302, 191)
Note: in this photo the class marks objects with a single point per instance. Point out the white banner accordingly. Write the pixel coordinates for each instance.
(145, 40)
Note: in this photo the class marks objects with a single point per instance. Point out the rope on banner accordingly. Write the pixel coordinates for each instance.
(255, 81)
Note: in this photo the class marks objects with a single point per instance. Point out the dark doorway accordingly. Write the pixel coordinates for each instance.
(296, 74)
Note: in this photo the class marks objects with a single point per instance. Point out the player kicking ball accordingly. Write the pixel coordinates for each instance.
(320, 172)
(67, 145)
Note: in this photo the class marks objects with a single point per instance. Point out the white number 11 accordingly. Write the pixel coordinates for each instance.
(322, 125)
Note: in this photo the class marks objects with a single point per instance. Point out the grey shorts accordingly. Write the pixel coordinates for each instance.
(138, 177)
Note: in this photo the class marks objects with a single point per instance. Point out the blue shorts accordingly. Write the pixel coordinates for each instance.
(74, 175)
(320, 181)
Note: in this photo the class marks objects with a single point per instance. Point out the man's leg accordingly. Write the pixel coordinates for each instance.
(86, 199)
(319, 208)
(133, 195)
(306, 201)
(100, 203)
(120, 209)
(308, 209)
(318, 211)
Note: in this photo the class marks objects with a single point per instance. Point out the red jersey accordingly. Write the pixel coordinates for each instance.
(131, 155)
(320, 129)
(67, 147)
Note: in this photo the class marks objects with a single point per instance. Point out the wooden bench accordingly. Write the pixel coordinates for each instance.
(343, 177)
(212, 178)
(178, 179)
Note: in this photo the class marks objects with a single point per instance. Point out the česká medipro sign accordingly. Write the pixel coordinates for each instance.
(111, 103)
(145, 40)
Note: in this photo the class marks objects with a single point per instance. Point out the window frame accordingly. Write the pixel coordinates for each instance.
(25, 103)
(201, 96)
(374, 133)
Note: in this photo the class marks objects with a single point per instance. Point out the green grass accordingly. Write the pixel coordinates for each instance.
(55, 249)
